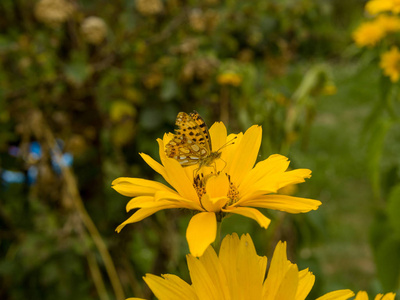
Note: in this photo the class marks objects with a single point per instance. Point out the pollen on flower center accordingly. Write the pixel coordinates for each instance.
(200, 181)
(233, 193)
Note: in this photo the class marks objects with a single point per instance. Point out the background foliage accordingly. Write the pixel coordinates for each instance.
(99, 81)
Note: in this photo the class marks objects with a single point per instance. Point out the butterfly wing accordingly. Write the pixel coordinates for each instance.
(191, 142)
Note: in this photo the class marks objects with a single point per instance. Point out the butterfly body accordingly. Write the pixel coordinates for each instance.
(191, 143)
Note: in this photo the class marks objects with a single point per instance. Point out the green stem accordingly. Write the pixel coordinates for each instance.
(217, 242)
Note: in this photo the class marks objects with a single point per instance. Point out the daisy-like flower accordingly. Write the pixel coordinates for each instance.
(390, 63)
(231, 185)
(377, 6)
(238, 273)
(360, 296)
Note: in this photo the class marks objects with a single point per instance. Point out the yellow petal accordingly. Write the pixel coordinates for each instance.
(250, 270)
(362, 295)
(242, 161)
(170, 287)
(215, 270)
(252, 213)
(288, 285)
(156, 166)
(201, 232)
(389, 296)
(306, 282)
(139, 202)
(202, 283)
(228, 258)
(213, 204)
(337, 295)
(217, 186)
(277, 270)
(286, 203)
(218, 135)
(178, 200)
(142, 214)
(274, 164)
(133, 187)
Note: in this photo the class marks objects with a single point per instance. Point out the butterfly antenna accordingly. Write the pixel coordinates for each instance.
(231, 142)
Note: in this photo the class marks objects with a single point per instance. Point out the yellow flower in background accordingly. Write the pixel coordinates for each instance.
(377, 6)
(368, 34)
(231, 185)
(388, 23)
(237, 273)
(229, 78)
(390, 63)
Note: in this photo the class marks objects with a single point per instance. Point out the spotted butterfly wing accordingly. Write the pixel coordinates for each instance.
(191, 143)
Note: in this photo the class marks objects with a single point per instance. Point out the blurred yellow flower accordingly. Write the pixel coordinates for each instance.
(232, 185)
(237, 273)
(388, 23)
(229, 78)
(390, 63)
(377, 6)
(368, 34)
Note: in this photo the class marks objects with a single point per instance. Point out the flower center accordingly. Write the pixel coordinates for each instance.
(200, 181)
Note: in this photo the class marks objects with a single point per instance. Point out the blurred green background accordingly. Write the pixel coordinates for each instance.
(87, 85)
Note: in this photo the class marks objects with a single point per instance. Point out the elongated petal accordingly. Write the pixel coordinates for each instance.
(170, 287)
(250, 270)
(156, 166)
(178, 179)
(284, 203)
(133, 187)
(274, 164)
(142, 214)
(277, 270)
(177, 199)
(228, 258)
(215, 270)
(139, 202)
(306, 282)
(201, 232)
(202, 283)
(288, 285)
(218, 135)
(245, 154)
(337, 295)
(250, 213)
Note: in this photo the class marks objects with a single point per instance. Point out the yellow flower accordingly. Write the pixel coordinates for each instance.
(377, 6)
(238, 273)
(338, 295)
(390, 63)
(230, 185)
(368, 34)
(229, 78)
(388, 23)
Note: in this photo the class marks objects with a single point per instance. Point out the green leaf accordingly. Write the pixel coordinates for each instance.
(393, 208)
(388, 263)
